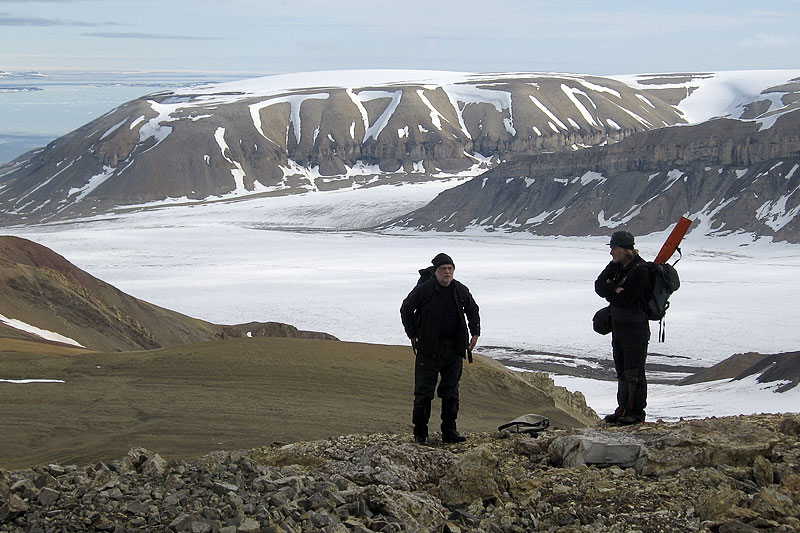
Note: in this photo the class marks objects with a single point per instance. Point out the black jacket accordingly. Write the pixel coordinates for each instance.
(421, 313)
(628, 305)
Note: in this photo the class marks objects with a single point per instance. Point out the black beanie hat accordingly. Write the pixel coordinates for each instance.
(623, 239)
(442, 259)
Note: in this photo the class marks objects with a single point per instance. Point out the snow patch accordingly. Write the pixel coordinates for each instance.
(93, 183)
(237, 172)
(436, 117)
(572, 93)
(775, 214)
(113, 128)
(42, 333)
(589, 177)
(295, 102)
(153, 128)
(377, 127)
(549, 114)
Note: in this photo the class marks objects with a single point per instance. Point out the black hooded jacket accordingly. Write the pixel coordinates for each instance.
(422, 310)
(627, 305)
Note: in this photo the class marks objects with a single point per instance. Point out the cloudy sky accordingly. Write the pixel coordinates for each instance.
(276, 36)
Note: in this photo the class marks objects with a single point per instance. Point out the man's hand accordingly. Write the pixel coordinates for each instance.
(472, 342)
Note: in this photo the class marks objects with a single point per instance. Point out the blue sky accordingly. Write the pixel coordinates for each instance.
(264, 37)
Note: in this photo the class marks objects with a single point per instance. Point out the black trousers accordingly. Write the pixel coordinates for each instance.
(629, 341)
(448, 364)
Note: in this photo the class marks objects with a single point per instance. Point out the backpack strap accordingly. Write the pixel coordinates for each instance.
(680, 256)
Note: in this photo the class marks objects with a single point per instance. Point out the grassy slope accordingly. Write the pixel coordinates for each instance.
(230, 394)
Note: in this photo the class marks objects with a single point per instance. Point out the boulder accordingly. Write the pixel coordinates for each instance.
(592, 447)
(471, 478)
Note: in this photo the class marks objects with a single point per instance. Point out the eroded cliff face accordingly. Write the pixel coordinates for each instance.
(252, 138)
(727, 175)
(727, 474)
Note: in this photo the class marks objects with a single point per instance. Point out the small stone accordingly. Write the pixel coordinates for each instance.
(16, 504)
(26, 488)
(155, 466)
(55, 469)
(762, 471)
(735, 526)
(182, 522)
(224, 488)
(561, 489)
(249, 524)
(790, 425)
(198, 526)
(450, 527)
(48, 496)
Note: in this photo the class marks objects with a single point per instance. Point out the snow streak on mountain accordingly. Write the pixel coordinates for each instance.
(318, 131)
(556, 153)
(734, 170)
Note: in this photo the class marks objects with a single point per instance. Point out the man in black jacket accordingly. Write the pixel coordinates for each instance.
(433, 318)
(625, 283)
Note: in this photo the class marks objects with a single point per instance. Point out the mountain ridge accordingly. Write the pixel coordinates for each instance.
(325, 131)
(728, 175)
(239, 139)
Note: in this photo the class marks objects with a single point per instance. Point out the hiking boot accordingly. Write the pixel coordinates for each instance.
(450, 434)
(421, 435)
(616, 415)
(452, 437)
(628, 420)
(420, 416)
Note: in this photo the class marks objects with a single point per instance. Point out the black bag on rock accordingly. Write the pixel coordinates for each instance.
(532, 424)
(601, 322)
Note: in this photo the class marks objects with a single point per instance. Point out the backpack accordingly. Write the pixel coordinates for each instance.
(664, 280)
(425, 274)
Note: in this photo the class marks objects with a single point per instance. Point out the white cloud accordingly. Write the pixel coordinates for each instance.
(763, 40)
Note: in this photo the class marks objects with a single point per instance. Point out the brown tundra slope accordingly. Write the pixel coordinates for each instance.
(43, 289)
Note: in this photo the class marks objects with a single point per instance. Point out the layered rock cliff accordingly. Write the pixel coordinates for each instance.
(728, 175)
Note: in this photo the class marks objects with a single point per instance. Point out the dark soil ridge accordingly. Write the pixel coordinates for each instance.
(768, 367)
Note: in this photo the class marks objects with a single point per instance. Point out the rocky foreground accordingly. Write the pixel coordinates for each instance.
(735, 474)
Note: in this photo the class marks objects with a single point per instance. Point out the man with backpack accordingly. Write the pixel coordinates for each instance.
(433, 316)
(625, 284)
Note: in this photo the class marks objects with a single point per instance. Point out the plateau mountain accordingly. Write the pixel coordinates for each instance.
(728, 175)
(318, 131)
(733, 170)
(551, 154)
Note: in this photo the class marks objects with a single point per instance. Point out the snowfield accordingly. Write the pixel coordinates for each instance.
(297, 259)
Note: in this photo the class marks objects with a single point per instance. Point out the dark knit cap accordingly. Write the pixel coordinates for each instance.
(623, 239)
(442, 259)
